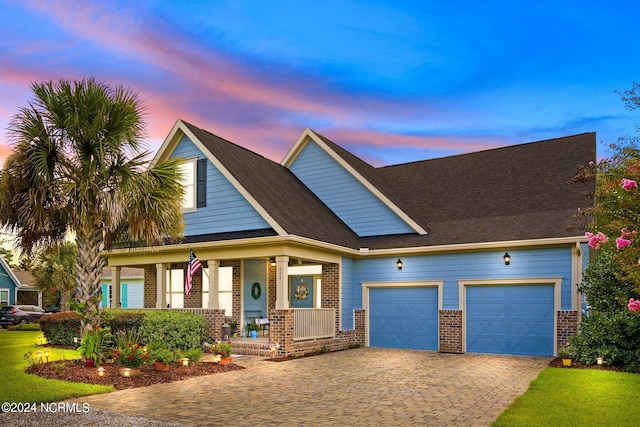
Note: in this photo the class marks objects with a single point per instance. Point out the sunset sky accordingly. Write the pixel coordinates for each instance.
(392, 81)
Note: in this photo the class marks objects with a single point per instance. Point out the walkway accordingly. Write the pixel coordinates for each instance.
(361, 387)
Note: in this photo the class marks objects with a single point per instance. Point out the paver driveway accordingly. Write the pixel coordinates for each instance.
(365, 386)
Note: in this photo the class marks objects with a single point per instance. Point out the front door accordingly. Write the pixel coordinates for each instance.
(301, 292)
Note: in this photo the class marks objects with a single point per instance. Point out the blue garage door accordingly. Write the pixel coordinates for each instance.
(510, 319)
(403, 318)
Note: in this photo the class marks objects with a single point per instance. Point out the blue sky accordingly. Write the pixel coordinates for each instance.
(392, 81)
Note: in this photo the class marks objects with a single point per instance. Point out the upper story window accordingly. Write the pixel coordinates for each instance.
(194, 181)
(188, 172)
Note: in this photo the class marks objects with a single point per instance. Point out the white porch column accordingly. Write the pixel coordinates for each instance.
(282, 282)
(214, 284)
(161, 285)
(116, 298)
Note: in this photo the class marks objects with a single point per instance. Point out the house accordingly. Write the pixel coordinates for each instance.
(468, 253)
(131, 287)
(16, 287)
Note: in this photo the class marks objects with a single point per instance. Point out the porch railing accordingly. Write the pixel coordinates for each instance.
(313, 323)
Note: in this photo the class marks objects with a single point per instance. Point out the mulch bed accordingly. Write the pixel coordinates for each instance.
(73, 371)
(557, 363)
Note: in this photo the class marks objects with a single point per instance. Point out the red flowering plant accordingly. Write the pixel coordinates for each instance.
(131, 356)
(128, 352)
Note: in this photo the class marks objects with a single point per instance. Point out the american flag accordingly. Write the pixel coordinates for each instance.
(192, 268)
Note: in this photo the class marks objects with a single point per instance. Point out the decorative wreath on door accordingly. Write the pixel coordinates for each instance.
(256, 291)
(301, 291)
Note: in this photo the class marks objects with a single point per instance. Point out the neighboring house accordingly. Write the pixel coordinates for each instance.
(468, 253)
(131, 288)
(27, 292)
(16, 287)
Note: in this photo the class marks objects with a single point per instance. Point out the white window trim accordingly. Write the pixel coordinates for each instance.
(8, 296)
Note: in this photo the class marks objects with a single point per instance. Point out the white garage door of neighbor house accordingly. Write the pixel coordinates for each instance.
(405, 317)
(510, 319)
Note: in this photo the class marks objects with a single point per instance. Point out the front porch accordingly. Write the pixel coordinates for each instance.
(299, 296)
(291, 331)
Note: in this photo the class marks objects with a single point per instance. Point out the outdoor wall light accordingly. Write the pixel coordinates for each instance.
(399, 264)
(272, 261)
(507, 258)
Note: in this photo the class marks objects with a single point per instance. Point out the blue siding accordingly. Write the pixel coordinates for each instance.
(351, 295)
(363, 212)
(548, 262)
(226, 209)
(8, 284)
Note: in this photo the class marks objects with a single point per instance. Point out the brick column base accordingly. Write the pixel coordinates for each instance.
(281, 330)
(567, 326)
(450, 331)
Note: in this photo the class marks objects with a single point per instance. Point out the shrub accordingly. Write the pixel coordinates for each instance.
(159, 353)
(194, 355)
(614, 336)
(61, 328)
(175, 329)
(120, 320)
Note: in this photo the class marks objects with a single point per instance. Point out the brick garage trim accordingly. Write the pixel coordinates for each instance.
(567, 327)
(450, 331)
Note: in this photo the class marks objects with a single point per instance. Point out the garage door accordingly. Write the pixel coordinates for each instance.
(403, 318)
(510, 319)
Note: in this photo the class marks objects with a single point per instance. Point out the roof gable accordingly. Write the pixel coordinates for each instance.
(362, 173)
(196, 136)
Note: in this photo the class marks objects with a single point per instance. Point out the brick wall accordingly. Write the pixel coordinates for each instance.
(567, 326)
(150, 281)
(271, 286)
(194, 300)
(330, 297)
(450, 331)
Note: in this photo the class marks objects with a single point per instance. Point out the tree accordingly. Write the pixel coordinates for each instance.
(54, 273)
(612, 283)
(79, 165)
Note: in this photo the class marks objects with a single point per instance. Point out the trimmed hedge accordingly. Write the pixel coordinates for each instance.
(174, 329)
(61, 328)
(120, 320)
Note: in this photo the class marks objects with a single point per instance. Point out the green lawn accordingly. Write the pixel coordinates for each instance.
(17, 386)
(576, 397)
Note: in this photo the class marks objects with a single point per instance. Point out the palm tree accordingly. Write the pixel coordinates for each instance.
(79, 166)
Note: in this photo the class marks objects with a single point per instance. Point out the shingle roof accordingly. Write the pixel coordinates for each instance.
(512, 193)
(279, 192)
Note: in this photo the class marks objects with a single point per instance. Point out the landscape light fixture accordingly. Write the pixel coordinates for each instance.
(100, 371)
(507, 258)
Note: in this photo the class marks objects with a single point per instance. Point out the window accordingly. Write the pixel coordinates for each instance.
(187, 170)
(4, 297)
(175, 288)
(225, 289)
(194, 182)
